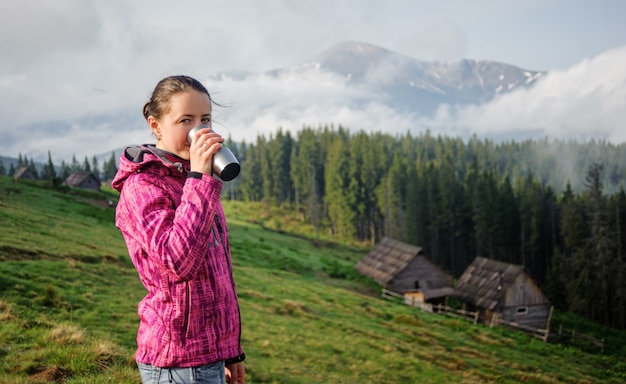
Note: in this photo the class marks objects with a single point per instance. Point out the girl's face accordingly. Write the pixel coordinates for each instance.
(187, 110)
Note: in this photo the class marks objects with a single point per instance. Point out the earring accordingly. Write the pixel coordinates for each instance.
(158, 136)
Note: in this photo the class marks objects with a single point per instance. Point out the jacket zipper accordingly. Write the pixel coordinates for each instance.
(230, 273)
(188, 312)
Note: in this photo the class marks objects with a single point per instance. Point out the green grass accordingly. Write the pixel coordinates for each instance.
(68, 297)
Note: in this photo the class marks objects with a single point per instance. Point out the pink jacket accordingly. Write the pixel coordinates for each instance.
(175, 230)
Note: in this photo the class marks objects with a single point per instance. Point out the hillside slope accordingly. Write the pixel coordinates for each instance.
(68, 296)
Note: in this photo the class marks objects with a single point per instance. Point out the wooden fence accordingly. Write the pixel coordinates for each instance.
(574, 335)
(428, 307)
(545, 333)
(541, 333)
(387, 294)
(457, 313)
(496, 319)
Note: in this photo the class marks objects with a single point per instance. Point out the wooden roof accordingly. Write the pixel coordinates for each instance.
(484, 282)
(23, 173)
(77, 178)
(387, 259)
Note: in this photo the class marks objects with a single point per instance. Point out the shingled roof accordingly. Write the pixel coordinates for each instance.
(76, 178)
(85, 180)
(387, 259)
(23, 173)
(484, 282)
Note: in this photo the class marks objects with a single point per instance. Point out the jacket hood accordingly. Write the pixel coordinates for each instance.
(141, 157)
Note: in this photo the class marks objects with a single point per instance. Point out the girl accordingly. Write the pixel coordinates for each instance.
(173, 223)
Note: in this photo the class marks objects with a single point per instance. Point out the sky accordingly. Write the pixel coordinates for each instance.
(74, 74)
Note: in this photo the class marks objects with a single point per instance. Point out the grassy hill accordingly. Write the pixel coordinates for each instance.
(68, 297)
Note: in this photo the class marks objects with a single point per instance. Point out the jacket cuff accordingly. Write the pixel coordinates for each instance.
(234, 360)
(194, 175)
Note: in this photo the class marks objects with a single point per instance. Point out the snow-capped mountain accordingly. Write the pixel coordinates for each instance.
(365, 87)
(408, 84)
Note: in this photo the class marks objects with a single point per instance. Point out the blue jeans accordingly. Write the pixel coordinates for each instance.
(206, 374)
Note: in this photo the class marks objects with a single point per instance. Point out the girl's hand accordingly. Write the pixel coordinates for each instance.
(235, 373)
(202, 149)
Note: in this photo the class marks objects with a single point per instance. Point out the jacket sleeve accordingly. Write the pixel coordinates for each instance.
(176, 237)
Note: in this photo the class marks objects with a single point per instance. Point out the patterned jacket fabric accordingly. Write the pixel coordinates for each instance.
(176, 234)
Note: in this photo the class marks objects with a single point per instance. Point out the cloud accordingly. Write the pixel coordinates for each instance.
(260, 104)
(38, 28)
(441, 41)
(585, 101)
(75, 73)
(62, 60)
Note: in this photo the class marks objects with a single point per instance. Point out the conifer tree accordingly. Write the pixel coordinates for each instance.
(33, 168)
(508, 222)
(601, 243)
(95, 168)
(448, 216)
(413, 217)
(65, 171)
(74, 165)
(86, 166)
(483, 216)
(110, 167)
(251, 180)
(336, 183)
(617, 211)
(268, 194)
(305, 173)
(48, 172)
(391, 198)
(572, 230)
(356, 186)
(593, 268)
(279, 154)
(530, 216)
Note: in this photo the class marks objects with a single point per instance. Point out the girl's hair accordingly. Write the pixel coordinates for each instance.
(159, 102)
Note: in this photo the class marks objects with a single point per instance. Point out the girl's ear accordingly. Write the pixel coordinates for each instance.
(154, 126)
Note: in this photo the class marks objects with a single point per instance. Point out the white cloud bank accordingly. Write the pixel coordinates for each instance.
(585, 101)
(75, 73)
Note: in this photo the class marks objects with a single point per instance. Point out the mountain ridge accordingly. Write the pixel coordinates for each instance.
(366, 74)
(410, 84)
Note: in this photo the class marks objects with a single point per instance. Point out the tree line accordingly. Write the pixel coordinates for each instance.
(556, 207)
(51, 172)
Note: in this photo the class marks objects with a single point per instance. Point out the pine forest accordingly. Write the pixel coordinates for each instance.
(556, 207)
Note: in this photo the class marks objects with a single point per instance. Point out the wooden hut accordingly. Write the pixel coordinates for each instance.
(24, 173)
(83, 180)
(500, 290)
(404, 269)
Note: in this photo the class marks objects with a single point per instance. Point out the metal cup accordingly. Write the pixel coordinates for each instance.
(225, 164)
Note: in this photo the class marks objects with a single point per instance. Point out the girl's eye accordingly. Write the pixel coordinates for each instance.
(206, 120)
(185, 121)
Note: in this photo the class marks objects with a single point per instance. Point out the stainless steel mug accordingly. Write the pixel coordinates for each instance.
(225, 164)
